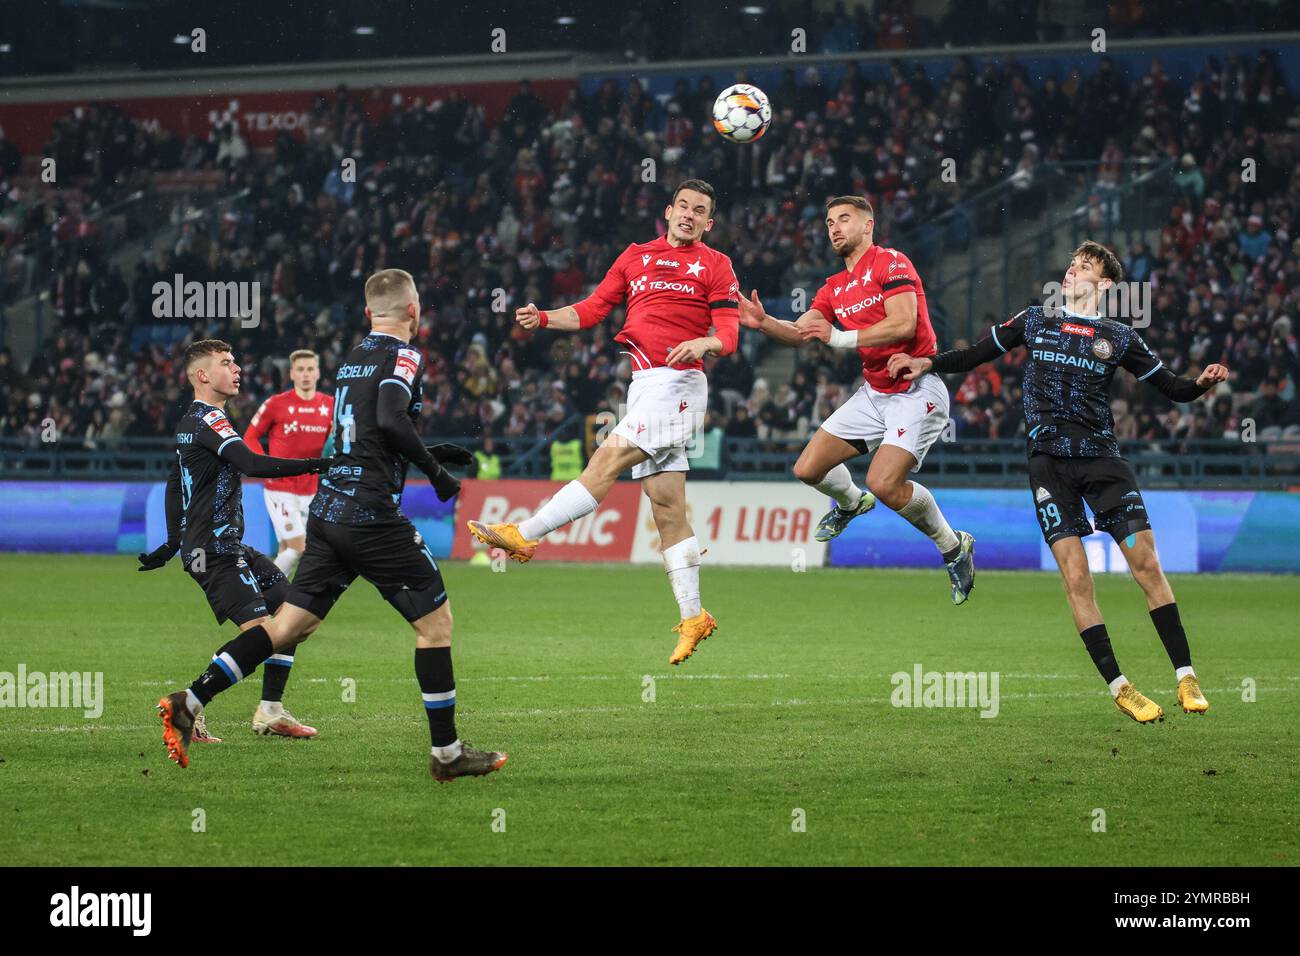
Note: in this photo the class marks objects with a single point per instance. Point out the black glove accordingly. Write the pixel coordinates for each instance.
(444, 484)
(449, 454)
(319, 465)
(159, 556)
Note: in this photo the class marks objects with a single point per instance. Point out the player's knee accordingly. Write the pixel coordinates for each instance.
(1146, 568)
(281, 634)
(1078, 583)
(808, 472)
(434, 630)
(888, 489)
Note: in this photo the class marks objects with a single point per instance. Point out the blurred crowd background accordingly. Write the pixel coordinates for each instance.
(539, 204)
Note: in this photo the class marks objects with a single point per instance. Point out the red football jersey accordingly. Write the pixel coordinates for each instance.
(295, 428)
(856, 300)
(674, 293)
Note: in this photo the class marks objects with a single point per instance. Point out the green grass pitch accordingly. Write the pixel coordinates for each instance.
(785, 709)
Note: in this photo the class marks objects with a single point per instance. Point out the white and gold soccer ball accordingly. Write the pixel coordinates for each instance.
(742, 113)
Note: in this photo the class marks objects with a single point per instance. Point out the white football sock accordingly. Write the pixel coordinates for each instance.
(1116, 684)
(287, 560)
(1181, 672)
(926, 517)
(682, 562)
(448, 753)
(272, 708)
(839, 485)
(192, 703)
(568, 504)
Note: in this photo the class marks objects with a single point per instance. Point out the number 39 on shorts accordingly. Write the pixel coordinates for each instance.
(1050, 517)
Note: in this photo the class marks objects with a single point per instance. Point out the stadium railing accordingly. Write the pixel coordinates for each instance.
(1190, 463)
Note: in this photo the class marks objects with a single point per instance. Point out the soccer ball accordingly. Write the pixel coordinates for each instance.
(741, 113)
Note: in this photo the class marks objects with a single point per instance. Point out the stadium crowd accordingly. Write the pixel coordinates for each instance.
(535, 207)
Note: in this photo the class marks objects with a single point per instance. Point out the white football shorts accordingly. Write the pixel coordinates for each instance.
(288, 513)
(665, 410)
(912, 420)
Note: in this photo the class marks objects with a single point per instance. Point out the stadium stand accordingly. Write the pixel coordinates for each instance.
(540, 203)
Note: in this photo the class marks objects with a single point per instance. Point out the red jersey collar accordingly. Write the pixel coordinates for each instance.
(865, 263)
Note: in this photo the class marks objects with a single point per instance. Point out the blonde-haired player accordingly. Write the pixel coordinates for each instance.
(357, 529)
(296, 424)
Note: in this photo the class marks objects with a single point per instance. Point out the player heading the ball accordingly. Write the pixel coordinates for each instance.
(681, 305)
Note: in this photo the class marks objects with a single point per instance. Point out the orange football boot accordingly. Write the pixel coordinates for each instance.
(692, 631)
(506, 537)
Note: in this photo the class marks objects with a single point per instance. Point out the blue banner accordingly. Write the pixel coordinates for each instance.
(128, 517)
(1196, 531)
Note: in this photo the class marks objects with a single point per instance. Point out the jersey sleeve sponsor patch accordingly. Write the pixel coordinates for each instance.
(407, 365)
(217, 421)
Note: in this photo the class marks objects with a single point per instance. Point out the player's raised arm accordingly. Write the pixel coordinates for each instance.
(584, 314)
(898, 325)
(562, 320)
(1000, 340)
(752, 315)
(1147, 366)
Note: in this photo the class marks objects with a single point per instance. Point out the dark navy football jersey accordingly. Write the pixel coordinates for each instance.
(212, 496)
(364, 482)
(1067, 376)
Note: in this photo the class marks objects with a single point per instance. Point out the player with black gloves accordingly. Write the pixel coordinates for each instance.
(357, 528)
(205, 520)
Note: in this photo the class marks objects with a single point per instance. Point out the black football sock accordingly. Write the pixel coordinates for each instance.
(232, 663)
(1097, 641)
(275, 674)
(438, 688)
(1170, 628)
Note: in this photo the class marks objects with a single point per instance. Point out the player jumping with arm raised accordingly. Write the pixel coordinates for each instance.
(296, 424)
(357, 528)
(1074, 457)
(205, 520)
(677, 288)
(880, 301)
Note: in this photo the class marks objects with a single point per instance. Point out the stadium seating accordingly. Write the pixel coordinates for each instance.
(549, 198)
